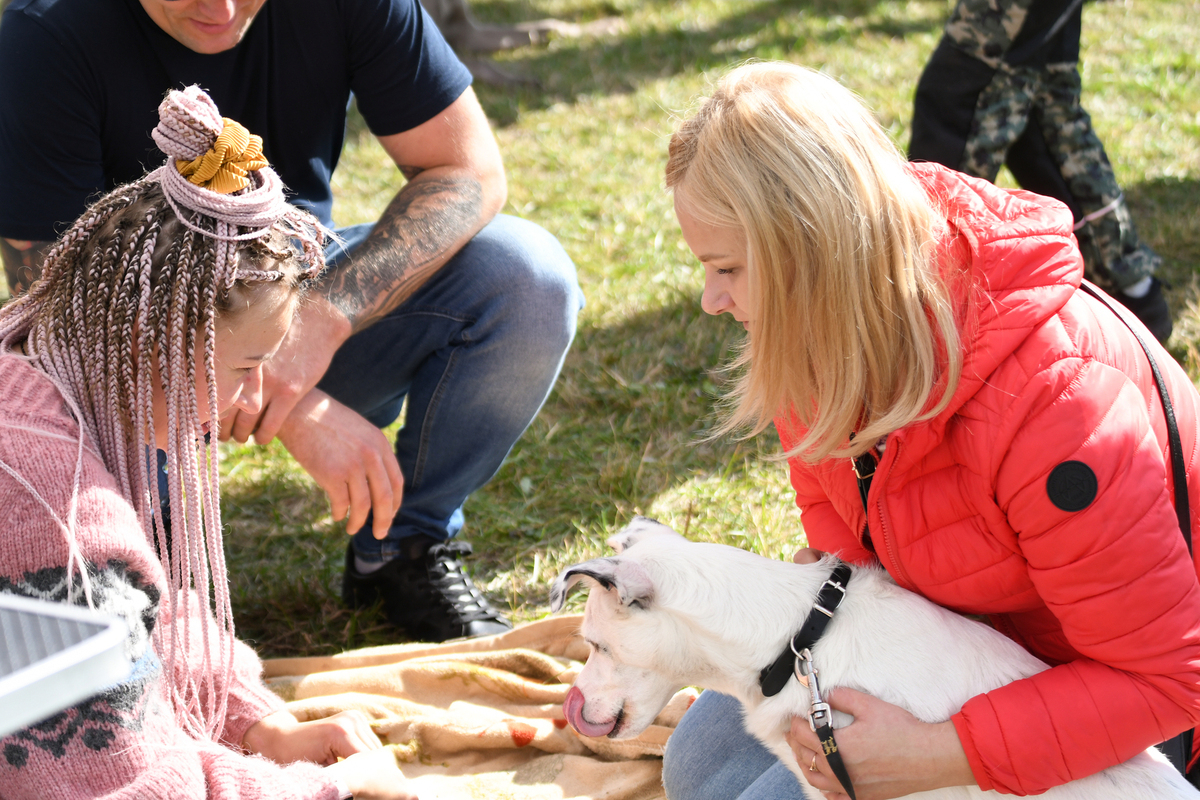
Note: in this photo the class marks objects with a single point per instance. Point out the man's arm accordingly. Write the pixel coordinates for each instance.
(22, 263)
(456, 186)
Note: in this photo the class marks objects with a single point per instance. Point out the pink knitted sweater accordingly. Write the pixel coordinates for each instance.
(124, 743)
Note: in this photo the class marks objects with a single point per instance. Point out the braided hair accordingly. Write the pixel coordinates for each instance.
(129, 296)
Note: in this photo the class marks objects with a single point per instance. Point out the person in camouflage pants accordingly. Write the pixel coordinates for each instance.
(1003, 87)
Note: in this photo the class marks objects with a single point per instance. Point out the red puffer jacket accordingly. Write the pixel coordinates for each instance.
(961, 508)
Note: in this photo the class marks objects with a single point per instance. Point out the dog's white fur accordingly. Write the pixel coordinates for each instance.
(677, 613)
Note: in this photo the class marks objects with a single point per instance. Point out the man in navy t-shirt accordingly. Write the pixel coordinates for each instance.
(464, 313)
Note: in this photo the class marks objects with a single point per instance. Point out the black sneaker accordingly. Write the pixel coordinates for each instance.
(430, 598)
(1151, 309)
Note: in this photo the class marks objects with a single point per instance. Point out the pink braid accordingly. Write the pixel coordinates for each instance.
(189, 124)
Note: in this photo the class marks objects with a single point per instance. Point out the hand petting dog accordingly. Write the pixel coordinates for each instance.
(888, 752)
(920, 756)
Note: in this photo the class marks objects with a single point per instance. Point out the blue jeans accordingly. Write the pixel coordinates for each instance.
(476, 351)
(711, 757)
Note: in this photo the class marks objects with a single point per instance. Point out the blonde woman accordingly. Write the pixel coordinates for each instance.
(934, 325)
(153, 318)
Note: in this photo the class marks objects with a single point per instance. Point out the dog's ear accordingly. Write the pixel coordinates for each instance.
(638, 529)
(629, 578)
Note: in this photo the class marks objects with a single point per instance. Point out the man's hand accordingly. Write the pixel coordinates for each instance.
(887, 751)
(317, 331)
(283, 739)
(455, 186)
(348, 457)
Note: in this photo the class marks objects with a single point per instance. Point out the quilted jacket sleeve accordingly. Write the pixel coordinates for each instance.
(1116, 575)
(824, 527)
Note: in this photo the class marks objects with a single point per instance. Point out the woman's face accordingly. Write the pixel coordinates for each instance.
(724, 255)
(246, 338)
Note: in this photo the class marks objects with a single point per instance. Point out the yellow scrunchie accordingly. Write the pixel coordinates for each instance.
(223, 169)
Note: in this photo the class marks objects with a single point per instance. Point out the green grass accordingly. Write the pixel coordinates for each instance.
(623, 431)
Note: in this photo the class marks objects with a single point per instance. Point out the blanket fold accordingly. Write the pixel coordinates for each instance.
(482, 718)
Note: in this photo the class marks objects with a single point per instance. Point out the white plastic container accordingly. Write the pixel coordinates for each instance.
(52, 656)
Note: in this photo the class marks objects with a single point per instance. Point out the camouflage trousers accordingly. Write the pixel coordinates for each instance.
(1049, 98)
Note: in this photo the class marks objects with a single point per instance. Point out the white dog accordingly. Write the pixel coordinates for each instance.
(677, 613)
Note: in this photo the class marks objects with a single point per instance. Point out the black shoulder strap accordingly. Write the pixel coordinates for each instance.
(864, 467)
(1178, 468)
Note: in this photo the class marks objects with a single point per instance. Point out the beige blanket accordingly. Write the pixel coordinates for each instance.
(482, 718)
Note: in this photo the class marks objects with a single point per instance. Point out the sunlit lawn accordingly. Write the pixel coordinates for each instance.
(623, 432)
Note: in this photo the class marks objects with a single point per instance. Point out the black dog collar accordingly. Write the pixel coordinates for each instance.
(796, 659)
(774, 677)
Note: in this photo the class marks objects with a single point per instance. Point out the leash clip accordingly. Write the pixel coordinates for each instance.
(806, 673)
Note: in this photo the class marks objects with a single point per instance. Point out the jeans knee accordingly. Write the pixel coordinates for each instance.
(683, 774)
(675, 776)
(710, 755)
(541, 287)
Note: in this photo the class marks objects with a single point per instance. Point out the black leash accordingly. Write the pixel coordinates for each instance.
(796, 659)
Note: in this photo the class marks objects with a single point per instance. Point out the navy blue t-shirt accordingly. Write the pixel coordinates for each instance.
(81, 80)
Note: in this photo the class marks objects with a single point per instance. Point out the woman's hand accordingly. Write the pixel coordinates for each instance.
(807, 555)
(887, 751)
(373, 776)
(284, 739)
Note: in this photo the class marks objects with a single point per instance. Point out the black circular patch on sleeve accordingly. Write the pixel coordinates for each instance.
(1072, 486)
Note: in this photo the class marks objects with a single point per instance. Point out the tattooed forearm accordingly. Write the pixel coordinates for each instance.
(22, 263)
(415, 236)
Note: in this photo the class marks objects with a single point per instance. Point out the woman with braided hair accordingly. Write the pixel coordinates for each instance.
(153, 317)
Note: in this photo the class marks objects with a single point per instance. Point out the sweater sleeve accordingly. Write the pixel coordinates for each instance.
(217, 772)
(1106, 556)
(249, 700)
(124, 742)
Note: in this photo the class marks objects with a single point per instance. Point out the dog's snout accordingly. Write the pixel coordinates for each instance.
(573, 710)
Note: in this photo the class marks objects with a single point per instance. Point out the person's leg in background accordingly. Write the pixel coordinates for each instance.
(711, 757)
(944, 105)
(1115, 257)
(475, 351)
(974, 111)
(1032, 164)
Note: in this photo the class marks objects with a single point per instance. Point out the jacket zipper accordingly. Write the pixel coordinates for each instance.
(892, 448)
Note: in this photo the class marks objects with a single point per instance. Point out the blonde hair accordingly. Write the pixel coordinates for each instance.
(853, 329)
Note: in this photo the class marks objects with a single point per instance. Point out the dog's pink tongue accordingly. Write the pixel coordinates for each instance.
(573, 710)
